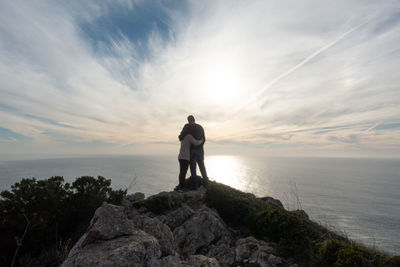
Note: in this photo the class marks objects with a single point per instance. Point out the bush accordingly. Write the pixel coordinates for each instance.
(341, 254)
(392, 262)
(265, 221)
(283, 227)
(308, 242)
(50, 212)
(157, 204)
(233, 206)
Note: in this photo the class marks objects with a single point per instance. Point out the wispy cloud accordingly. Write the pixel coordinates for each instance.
(127, 73)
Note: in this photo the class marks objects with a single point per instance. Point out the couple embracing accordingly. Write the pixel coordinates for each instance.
(192, 152)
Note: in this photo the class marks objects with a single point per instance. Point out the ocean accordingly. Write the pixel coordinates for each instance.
(357, 197)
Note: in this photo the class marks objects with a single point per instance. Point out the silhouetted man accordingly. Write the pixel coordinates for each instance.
(196, 152)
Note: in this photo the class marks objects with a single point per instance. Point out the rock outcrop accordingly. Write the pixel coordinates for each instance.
(174, 229)
(111, 240)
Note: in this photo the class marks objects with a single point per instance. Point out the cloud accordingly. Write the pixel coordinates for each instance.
(6, 135)
(387, 126)
(129, 72)
(351, 139)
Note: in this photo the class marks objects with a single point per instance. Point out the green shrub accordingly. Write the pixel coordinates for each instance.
(265, 221)
(51, 212)
(157, 204)
(283, 227)
(342, 254)
(392, 262)
(308, 242)
(350, 257)
(233, 206)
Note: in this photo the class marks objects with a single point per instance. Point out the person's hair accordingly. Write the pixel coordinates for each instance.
(190, 118)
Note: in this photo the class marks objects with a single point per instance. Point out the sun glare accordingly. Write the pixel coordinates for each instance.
(222, 83)
(229, 170)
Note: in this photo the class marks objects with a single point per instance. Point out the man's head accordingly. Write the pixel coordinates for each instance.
(190, 119)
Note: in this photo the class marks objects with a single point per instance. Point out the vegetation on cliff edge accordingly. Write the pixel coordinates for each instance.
(308, 242)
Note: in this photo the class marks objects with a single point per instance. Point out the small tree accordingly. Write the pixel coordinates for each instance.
(55, 211)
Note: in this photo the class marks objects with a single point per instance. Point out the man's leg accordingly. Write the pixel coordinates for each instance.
(202, 167)
(183, 167)
(193, 160)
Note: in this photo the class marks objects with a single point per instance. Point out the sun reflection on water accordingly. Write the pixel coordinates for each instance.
(229, 170)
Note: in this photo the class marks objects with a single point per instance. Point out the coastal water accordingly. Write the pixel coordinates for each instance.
(358, 197)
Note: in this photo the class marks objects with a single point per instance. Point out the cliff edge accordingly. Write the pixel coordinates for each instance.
(213, 226)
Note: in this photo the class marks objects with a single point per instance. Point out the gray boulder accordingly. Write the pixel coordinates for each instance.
(171, 261)
(177, 217)
(132, 212)
(202, 261)
(249, 250)
(109, 221)
(202, 229)
(131, 198)
(274, 260)
(111, 241)
(191, 261)
(159, 230)
(223, 252)
(136, 250)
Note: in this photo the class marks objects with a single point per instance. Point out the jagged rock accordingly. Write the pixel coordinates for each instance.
(301, 214)
(177, 217)
(223, 252)
(273, 201)
(170, 229)
(132, 212)
(202, 229)
(129, 199)
(171, 261)
(202, 261)
(274, 260)
(252, 251)
(245, 247)
(159, 230)
(109, 221)
(137, 249)
(191, 261)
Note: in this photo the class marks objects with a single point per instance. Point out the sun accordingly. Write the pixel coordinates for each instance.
(222, 83)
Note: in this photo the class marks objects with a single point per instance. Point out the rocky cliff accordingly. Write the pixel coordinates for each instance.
(185, 233)
(217, 226)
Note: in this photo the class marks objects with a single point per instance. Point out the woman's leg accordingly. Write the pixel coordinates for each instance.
(183, 167)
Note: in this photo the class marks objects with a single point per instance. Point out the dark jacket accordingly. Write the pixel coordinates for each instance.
(194, 129)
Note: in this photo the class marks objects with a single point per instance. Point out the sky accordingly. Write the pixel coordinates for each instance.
(273, 78)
